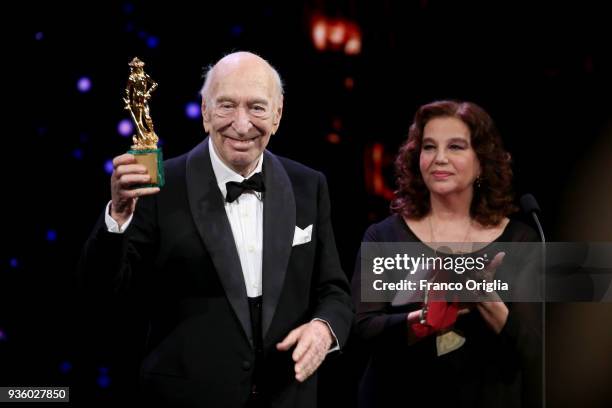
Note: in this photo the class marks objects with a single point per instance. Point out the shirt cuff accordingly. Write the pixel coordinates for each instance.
(335, 345)
(112, 225)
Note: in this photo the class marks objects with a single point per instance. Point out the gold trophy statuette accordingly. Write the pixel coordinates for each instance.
(137, 95)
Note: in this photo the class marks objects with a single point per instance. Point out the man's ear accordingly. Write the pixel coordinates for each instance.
(205, 116)
(277, 114)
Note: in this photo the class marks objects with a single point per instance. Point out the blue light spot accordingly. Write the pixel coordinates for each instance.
(51, 235)
(39, 36)
(125, 128)
(104, 381)
(84, 84)
(77, 154)
(65, 367)
(152, 41)
(142, 34)
(14, 263)
(3, 335)
(237, 30)
(128, 8)
(108, 167)
(192, 110)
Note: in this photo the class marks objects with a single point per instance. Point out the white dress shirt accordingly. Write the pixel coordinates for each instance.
(245, 216)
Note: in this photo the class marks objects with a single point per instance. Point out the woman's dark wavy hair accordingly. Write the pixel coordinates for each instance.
(492, 201)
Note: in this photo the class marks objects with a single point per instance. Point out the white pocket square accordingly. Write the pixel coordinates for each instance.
(302, 236)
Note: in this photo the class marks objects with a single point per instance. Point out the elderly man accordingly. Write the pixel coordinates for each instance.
(236, 255)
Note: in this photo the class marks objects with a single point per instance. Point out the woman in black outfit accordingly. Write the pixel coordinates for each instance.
(454, 185)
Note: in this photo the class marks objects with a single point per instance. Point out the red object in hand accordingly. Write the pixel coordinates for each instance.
(440, 316)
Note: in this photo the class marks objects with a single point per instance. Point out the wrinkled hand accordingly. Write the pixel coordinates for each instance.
(127, 173)
(313, 342)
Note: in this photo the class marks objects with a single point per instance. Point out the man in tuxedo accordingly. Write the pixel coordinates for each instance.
(235, 256)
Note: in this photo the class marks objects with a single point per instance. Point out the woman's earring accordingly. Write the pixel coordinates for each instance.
(478, 182)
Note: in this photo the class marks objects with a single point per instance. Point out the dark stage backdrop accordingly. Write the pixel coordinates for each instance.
(543, 72)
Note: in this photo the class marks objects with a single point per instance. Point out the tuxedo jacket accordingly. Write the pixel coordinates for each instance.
(179, 254)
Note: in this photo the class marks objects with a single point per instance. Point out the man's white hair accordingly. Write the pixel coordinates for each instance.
(209, 73)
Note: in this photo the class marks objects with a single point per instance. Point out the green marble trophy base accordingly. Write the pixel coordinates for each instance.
(153, 160)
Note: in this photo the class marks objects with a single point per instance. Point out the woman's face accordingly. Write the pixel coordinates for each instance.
(448, 163)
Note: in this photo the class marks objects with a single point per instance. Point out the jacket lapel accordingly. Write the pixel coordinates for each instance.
(207, 208)
(278, 230)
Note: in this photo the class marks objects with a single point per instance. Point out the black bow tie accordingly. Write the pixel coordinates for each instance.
(253, 183)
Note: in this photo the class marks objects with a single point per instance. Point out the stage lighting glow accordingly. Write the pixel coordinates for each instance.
(374, 175)
(84, 84)
(2, 335)
(152, 41)
(14, 262)
(337, 33)
(353, 46)
(125, 128)
(319, 34)
(192, 110)
(333, 138)
(39, 36)
(65, 367)
(51, 235)
(108, 167)
(104, 381)
(77, 154)
(349, 83)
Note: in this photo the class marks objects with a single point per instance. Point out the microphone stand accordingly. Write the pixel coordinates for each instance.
(530, 205)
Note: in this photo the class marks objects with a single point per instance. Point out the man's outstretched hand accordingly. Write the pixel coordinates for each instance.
(312, 341)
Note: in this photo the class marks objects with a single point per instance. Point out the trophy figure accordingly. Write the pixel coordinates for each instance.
(137, 95)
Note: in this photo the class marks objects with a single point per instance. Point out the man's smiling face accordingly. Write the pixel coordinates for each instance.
(245, 110)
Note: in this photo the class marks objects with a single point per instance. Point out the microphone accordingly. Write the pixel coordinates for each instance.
(530, 206)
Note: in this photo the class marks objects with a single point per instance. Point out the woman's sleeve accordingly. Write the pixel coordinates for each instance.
(375, 320)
